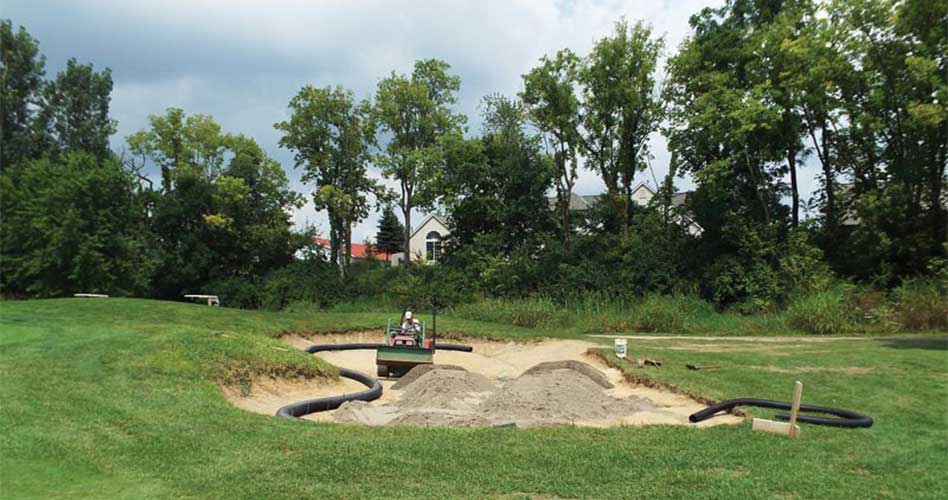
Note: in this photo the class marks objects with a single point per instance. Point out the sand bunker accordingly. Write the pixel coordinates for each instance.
(526, 384)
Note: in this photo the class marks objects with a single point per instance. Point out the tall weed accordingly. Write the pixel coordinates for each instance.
(922, 305)
(823, 312)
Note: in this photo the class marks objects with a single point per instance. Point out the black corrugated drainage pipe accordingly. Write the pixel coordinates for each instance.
(374, 391)
(846, 418)
(345, 347)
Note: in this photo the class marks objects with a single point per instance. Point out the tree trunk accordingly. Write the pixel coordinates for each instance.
(565, 193)
(794, 190)
(165, 178)
(406, 212)
(829, 178)
(334, 241)
(935, 186)
(829, 208)
(348, 249)
(563, 203)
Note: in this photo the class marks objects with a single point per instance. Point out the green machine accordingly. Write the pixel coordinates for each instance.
(406, 345)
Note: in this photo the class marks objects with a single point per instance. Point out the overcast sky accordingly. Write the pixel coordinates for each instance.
(241, 61)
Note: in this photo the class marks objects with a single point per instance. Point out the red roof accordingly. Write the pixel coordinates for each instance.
(359, 251)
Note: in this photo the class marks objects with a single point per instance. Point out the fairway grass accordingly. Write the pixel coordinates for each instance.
(120, 398)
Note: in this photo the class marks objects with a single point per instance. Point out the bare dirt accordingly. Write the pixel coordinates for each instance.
(848, 370)
(527, 384)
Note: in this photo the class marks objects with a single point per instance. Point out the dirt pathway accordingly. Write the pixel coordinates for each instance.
(777, 339)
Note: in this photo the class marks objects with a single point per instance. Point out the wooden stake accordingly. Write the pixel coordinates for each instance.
(764, 425)
(795, 408)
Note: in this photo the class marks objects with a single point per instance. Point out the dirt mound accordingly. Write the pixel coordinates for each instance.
(446, 390)
(547, 394)
(419, 370)
(559, 396)
(570, 364)
(361, 412)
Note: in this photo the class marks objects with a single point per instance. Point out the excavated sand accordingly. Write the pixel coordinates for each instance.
(418, 371)
(545, 396)
(526, 384)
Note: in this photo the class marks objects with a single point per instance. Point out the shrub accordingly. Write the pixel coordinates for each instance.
(921, 304)
(668, 313)
(243, 293)
(821, 312)
(424, 286)
(528, 313)
(315, 282)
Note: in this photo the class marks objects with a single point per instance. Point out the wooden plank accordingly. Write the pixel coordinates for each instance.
(795, 408)
(764, 425)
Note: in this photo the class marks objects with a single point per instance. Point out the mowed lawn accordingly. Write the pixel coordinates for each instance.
(119, 398)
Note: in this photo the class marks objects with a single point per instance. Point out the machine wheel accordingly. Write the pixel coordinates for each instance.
(382, 371)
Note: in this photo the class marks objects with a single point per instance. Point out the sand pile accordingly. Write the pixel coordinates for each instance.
(557, 397)
(446, 390)
(418, 371)
(439, 397)
(551, 394)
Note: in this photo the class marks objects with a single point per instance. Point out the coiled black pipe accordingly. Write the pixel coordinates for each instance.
(374, 391)
(846, 418)
(345, 347)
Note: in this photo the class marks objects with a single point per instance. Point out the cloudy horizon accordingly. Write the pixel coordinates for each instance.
(241, 62)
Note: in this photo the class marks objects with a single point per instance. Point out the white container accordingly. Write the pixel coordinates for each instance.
(620, 348)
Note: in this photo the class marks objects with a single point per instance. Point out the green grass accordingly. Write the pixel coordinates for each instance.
(119, 399)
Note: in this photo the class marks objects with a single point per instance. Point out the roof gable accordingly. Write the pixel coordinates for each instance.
(428, 219)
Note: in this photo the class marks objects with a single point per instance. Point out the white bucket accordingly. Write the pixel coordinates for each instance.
(620, 348)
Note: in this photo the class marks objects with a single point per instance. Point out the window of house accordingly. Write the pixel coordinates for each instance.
(433, 246)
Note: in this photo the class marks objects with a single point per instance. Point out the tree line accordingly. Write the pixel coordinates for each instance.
(758, 93)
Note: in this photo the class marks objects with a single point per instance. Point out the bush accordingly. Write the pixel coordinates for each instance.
(922, 304)
(668, 313)
(314, 282)
(243, 293)
(424, 286)
(528, 313)
(823, 312)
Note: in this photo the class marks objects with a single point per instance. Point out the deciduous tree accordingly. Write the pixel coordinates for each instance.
(553, 107)
(621, 110)
(415, 112)
(331, 136)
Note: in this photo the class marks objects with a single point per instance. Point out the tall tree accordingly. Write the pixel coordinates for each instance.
(622, 109)
(724, 128)
(76, 109)
(552, 106)
(390, 232)
(21, 82)
(416, 112)
(223, 208)
(331, 136)
(495, 186)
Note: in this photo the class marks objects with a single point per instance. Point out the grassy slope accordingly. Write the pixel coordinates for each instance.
(118, 398)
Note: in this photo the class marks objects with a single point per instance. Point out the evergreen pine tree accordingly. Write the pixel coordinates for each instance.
(390, 235)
